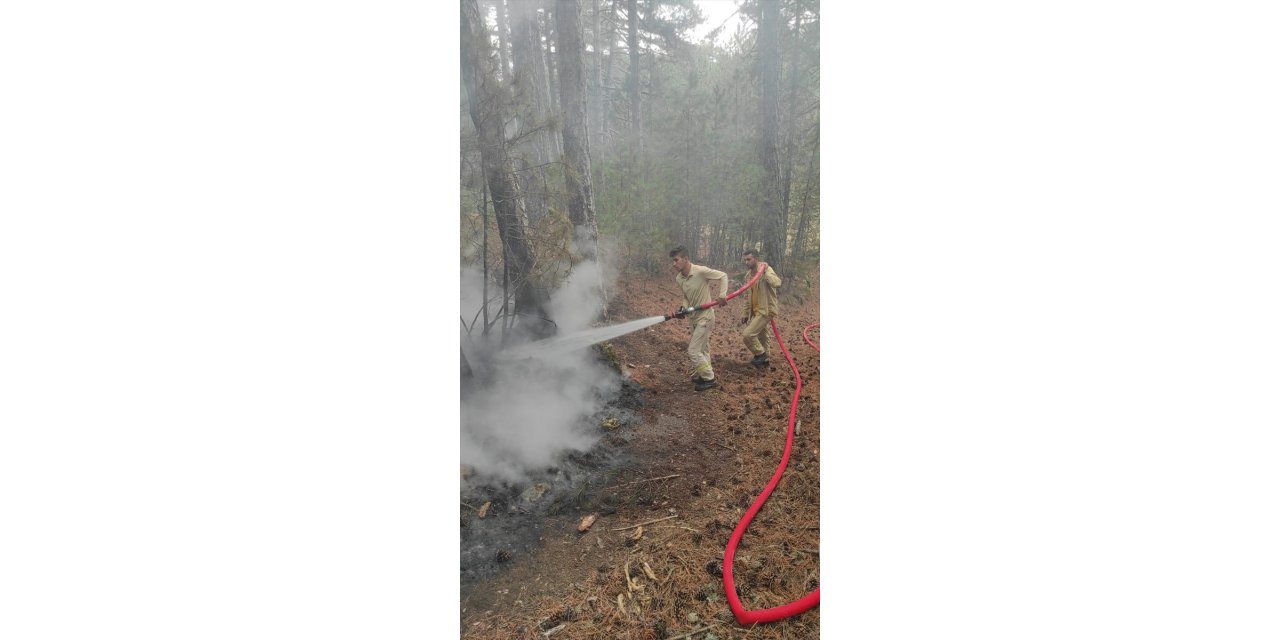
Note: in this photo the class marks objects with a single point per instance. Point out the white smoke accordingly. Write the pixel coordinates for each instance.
(576, 303)
(520, 415)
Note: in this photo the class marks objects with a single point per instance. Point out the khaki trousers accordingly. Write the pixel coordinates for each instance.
(700, 349)
(756, 334)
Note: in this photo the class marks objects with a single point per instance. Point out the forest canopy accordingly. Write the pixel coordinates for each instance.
(607, 128)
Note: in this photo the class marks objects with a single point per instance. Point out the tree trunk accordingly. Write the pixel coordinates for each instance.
(790, 154)
(485, 105)
(577, 149)
(573, 131)
(606, 106)
(553, 42)
(506, 294)
(774, 232)
(466, 366)
(635, 145)
(553, 79)
(597, 97)
(600, 121)
(484, 253)
(802, 230)
(532, 102)
(655, 79)
(504, 42)
(530, 61)
(689, 198)
(633, 72)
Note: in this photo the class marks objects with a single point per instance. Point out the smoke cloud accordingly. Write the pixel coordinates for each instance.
(519, 416)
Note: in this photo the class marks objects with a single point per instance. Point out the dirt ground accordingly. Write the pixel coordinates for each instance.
(700, 459)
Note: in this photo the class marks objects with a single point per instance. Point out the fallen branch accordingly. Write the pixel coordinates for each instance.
(691, 633)
(677, 526)
(644, 523)
(625, 484)
(727, 447)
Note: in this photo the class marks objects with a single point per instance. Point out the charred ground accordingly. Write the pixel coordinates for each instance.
(665, 451)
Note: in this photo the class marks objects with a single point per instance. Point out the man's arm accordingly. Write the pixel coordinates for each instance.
(772, 278)
(712, 274)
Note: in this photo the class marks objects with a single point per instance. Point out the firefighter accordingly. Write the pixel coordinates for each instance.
(694, 281)
(762, 308)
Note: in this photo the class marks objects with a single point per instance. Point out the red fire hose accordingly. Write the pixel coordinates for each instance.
(805, 333)
(810, 600)
(684, 311)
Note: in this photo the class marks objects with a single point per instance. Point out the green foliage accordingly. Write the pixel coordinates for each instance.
(610, 355)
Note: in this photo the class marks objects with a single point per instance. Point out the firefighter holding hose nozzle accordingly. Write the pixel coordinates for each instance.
(694, 281)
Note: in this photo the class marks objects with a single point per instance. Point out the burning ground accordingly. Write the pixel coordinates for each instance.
(686, 464)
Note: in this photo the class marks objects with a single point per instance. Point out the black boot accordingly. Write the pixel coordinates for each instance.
(761, 360)
(703, 385)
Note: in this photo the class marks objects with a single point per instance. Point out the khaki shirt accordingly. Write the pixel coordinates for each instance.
(764, 295)
(697, 292)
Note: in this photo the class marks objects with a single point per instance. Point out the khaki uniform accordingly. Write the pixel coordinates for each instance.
(763, 306)
(697, 291)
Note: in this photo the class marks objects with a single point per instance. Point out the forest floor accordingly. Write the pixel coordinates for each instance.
(696, 461)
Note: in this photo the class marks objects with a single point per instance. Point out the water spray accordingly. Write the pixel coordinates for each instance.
(583, 339)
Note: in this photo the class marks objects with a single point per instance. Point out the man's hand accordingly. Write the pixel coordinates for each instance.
(721, 301)
(761, 266)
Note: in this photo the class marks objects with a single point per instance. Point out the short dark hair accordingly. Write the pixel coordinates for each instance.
(679, 251)
(752, 252)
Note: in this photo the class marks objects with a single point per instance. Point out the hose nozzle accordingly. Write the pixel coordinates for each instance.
(679, 313)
